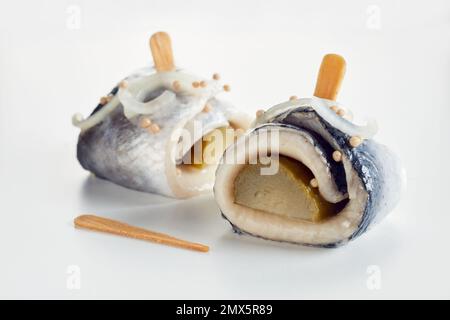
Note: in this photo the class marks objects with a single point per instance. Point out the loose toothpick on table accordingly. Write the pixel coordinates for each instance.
(95, 223)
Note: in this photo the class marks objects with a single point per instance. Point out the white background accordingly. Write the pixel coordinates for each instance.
(54, 62)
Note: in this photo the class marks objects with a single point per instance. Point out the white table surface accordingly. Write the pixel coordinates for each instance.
(53, 64)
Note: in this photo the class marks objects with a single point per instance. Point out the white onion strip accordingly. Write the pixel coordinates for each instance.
(148, 83)
(78, 121)
(133, 107)
(322, 107)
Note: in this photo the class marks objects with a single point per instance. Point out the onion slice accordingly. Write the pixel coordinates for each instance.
(145, 81)
(133, 107)
(96, 118)
(322, 107)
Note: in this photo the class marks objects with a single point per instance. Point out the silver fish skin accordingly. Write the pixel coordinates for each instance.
(117, 149)
(371, 174)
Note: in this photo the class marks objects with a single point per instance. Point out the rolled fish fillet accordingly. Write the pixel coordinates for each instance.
(306, 174)
(142, 135)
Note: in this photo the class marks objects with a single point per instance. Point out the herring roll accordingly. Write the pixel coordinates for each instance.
(306, 174)
(141, 135)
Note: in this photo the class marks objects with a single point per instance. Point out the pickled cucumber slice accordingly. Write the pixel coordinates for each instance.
(287, 193)
(211, 147)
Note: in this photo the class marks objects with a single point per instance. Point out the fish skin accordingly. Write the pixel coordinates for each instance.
(99, 105)
(376, 165)
(378, 168)
(120, 151)
(110, 150)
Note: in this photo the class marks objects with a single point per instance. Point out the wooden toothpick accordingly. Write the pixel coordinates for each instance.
(331, 74)
(100, 224)
(161, 48)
